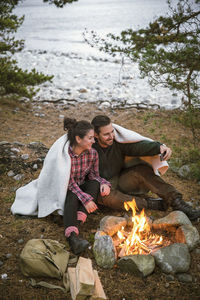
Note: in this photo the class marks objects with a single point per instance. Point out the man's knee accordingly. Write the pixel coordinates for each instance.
(114, 200)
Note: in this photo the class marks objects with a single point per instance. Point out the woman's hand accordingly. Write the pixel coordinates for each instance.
(104, 190)
(91, 206)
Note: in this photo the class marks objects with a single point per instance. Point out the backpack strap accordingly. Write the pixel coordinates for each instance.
(49, 285)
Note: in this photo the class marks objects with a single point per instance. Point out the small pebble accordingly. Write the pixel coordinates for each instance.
(10, 173)
(167, 284)
(169, 277)
(4, 276)
(35, 167)
(20, 241)
(8, 255)
(4, 143)
(15, 150)
(18, 176)
(25, 156)
(184, 277)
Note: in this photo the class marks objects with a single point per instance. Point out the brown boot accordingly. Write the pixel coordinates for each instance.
(179, 204)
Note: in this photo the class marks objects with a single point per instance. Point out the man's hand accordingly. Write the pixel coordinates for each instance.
(91, 206)
(104, 190)
(166, 151)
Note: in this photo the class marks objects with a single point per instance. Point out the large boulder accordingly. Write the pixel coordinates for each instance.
(173, 259)
(139, 265)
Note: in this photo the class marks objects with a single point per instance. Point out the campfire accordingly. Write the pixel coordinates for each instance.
(139, 238)
(142, 243)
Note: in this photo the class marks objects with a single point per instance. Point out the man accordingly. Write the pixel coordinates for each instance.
(137, 178)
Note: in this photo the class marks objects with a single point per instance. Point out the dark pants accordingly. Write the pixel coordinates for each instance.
(73, 204)
(139, 178)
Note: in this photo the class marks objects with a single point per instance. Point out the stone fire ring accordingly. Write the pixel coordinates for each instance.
(171, 259)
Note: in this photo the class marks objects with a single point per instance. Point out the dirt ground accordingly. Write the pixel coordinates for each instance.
(27, 123)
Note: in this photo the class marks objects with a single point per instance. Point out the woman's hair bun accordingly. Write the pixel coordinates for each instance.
(69, 123)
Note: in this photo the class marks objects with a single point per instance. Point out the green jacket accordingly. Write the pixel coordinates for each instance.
(112, 158)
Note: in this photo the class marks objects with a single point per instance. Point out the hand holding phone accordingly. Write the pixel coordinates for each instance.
(162, 156)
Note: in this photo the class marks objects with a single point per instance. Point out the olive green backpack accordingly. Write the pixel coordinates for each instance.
(45, 258)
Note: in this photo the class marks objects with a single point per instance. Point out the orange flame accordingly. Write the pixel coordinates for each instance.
(140, 240)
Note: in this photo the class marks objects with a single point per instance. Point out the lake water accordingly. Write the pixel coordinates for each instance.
(54, 44)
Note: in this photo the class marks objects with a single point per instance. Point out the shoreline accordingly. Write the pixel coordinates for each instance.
(91, 79)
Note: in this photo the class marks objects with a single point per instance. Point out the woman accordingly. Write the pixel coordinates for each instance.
(84, 183)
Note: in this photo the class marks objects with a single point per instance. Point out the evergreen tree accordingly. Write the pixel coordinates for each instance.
(168, 53)
(12, 78)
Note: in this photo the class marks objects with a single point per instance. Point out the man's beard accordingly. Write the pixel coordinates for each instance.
(108, 142)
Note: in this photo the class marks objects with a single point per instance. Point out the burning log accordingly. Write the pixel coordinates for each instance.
(141, 240)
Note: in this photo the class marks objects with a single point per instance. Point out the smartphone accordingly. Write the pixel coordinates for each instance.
(162, 156)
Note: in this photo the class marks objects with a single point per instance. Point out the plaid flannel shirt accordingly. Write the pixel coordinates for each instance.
(85, 164)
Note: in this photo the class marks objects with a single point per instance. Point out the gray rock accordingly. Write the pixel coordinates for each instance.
(184, 277)
(175, 218)
(4, 276)
(104, 251)
(18, 176)
(10, 173)
(20, 241)
(25, 156)
(184, 171)
(15, 150)
(111, 224)
(8, 255)
(169, 277)
(4, 143)
(105, 104)
(139, 265)
(188, 234)
(173, 259)
(35, 167)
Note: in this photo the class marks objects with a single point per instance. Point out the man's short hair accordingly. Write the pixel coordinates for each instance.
(100, 121)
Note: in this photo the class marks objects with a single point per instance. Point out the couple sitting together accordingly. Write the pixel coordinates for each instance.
(99, 162)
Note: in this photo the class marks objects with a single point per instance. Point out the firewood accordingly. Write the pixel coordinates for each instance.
(72, 283)
(84, 276)
(98, 289)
